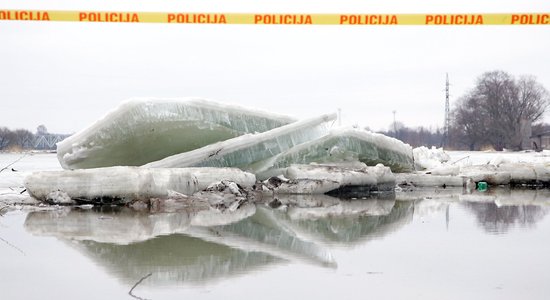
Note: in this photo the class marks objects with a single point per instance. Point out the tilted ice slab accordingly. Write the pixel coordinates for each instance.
(243, 151)
(124, 184)
(344, 145)
(139, 131)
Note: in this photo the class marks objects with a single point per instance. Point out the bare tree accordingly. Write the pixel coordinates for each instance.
(469, 123)
(41, 130)
(416, 137)
(23, 138)
(497, 109)
(6, 137)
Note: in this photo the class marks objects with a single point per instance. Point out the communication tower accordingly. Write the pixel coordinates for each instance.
(447, 124)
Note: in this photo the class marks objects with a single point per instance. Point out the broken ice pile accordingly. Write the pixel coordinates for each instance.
(519, 169)
(180, 142)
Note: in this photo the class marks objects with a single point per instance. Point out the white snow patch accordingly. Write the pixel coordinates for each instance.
(425, 158)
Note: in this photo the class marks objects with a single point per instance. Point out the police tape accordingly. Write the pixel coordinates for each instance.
(276, 19)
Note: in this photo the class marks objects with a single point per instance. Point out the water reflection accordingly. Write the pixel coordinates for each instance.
(500, 219)
(348, 222)
(175, 258)
(122, 226)
(199, 247)
(496, 211)
(189, 247)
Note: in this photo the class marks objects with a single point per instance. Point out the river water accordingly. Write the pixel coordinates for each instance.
(430, 244)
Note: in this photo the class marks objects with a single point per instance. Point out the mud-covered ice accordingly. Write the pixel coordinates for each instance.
(378, 175)
(322, 179)
(139, 131)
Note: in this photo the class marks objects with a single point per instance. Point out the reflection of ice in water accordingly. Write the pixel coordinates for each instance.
(301, 230)
(349, 222)
(131, 244)
(175, 258)
(124, 226)
(496, 211)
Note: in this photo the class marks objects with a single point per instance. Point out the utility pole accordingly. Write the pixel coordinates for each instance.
(447, 125)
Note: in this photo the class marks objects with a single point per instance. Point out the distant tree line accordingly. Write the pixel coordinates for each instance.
(415, 137)
(499, 112)
(16, 139)
(23, 139)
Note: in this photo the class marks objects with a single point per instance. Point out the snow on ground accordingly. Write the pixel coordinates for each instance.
(434, 158)
(496, 168)
(16, 167)
(468, 158)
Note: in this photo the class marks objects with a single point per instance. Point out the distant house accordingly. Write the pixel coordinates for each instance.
(540, 141)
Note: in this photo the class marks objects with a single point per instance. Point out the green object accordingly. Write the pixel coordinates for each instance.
(482, 186)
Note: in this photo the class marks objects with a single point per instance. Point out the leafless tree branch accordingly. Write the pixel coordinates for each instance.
(12, 245)
(135, 285)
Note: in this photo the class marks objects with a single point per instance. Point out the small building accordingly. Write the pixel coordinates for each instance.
(540, 141)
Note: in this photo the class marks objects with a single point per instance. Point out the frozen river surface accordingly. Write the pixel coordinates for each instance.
(432, 244)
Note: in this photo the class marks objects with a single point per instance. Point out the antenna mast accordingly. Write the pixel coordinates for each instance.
(447, 114)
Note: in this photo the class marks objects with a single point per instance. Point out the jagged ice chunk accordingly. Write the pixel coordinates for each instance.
(139, 131)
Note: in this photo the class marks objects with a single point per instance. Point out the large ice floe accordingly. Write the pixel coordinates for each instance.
(144, 130)
(334, 180)
(185, 145)
(245, 150)
(121, 185)
(344, 145)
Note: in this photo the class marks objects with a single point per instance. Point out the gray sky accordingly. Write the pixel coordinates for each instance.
(66, 75)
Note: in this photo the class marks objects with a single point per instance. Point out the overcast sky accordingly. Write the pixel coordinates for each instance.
(66, 75)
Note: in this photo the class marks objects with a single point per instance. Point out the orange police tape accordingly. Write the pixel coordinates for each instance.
(276, 19)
